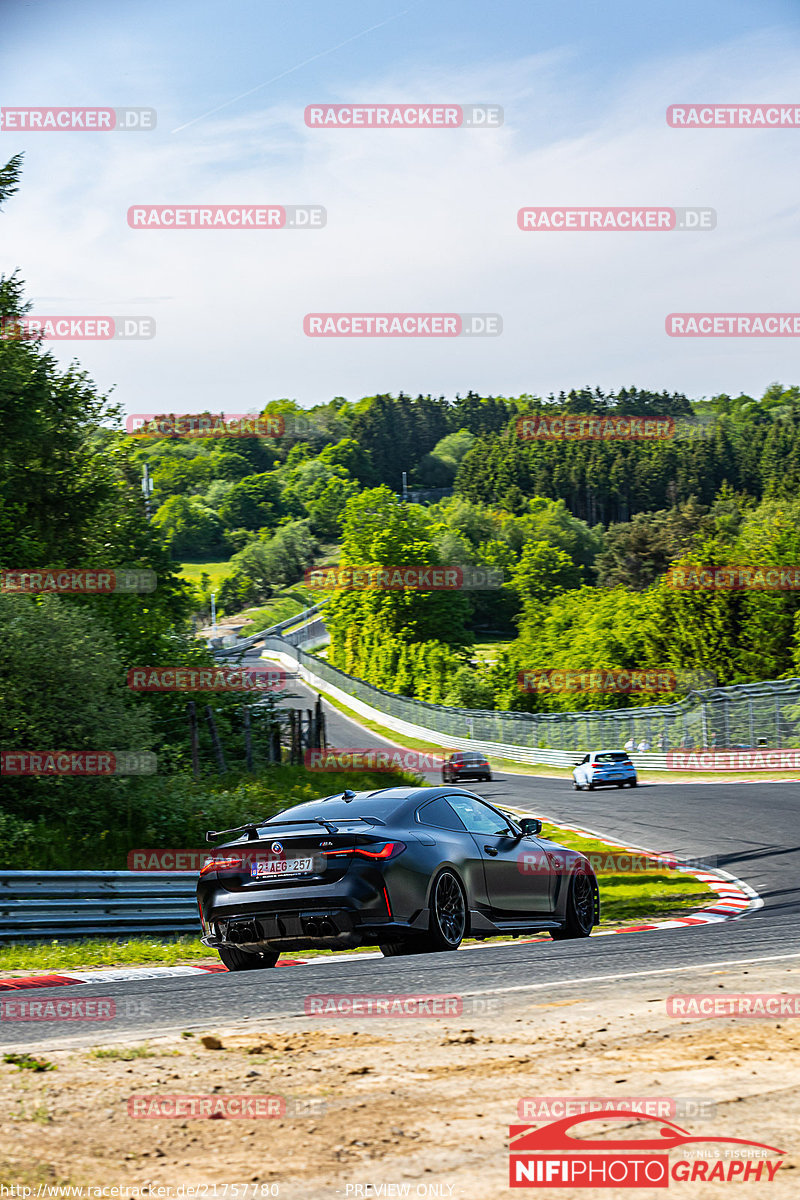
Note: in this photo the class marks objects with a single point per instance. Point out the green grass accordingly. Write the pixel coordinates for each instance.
(272, 613)
(26, 1062)
(126, 1053)
(215, 570)
(489, 650)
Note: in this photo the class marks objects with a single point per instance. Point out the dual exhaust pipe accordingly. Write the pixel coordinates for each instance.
(319, 927)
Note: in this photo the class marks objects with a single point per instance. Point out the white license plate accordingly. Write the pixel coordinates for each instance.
(278, 867)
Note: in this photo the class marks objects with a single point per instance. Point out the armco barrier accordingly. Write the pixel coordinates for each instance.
(273, 630)
(726, 717)
(73, 904)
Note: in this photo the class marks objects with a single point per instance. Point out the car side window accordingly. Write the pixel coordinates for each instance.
(477, 817)
(583, 760)
(439, 814)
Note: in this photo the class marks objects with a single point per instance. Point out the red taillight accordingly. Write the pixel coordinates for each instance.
(221, 864)
(387, 850)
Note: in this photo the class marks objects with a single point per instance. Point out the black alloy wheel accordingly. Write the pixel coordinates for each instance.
(580, 908)
(448, 913)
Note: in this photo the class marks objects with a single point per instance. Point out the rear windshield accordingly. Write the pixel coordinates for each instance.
(338, 810)
(612, 757)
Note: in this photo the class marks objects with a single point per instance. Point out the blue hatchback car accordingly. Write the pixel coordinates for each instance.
(604, 768)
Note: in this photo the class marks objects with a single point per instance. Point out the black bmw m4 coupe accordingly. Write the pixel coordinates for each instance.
(407, 869)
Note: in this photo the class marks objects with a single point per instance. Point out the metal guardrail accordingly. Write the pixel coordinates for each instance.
(272, 630)
(728, 717)
(76, 904)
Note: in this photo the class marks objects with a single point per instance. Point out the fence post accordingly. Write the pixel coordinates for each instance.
(212, 725)
(193, 739)
(248, 742)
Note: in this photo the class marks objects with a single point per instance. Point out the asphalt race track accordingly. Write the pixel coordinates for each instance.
(750, 830)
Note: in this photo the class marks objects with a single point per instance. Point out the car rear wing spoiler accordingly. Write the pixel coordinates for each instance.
(252, 829)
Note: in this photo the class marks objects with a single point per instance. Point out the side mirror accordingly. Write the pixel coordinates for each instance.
(530, 826)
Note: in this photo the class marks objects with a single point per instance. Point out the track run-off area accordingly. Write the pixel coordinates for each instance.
(749, 830)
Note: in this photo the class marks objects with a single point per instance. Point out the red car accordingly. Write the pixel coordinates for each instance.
(466, 764)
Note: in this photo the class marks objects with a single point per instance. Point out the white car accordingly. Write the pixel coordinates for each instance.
(604, 768)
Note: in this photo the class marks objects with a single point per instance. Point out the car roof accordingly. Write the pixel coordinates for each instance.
(383, 802)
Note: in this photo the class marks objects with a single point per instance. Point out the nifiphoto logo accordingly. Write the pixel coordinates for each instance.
(617, 219)
(72, 120)
(631, 1150)
(402, 324)
(403, 116)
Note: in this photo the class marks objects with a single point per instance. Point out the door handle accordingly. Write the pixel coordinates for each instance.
(491, 850)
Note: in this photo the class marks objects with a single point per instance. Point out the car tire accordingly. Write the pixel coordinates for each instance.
(580, 912)
(576, 787)
(620, 785)
(448, 915)
(590, 787)
(633, 783)
(247, 960)
(489, 777)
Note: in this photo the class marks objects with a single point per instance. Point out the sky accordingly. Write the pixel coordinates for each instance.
(418, 220)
